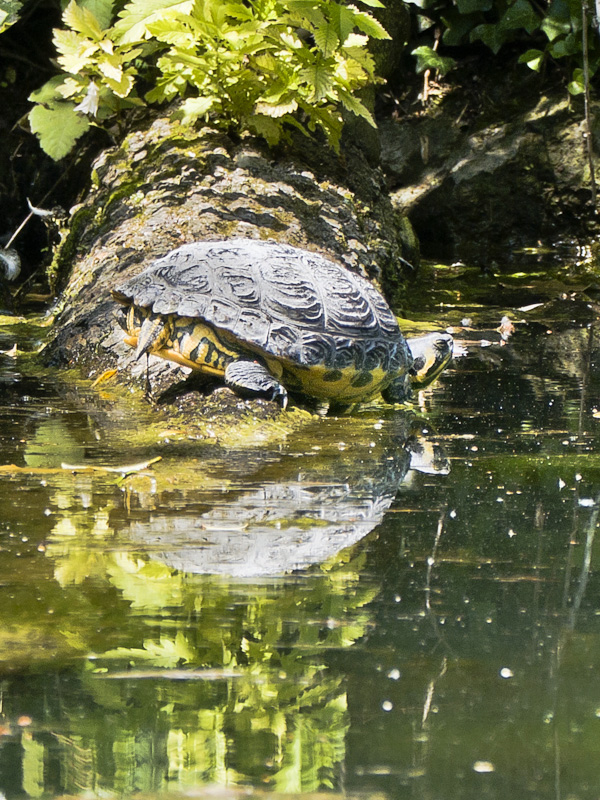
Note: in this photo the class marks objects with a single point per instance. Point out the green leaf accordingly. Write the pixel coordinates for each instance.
(267, 127)
(57, 127)
(131, 27)
(562, 48)
(428, 58)
(344, 19)
(491, 35)
(10, 12)
(520, 15)
(326, 39)
(193, 108)
(276, 109)
(369, 25)
(553, 28)
(471, 6)
(319, 78)
(353, 104)
(48, 93)
(458, 26)
(577, 85)
(83, 21)
(101, 9)
(533, 58)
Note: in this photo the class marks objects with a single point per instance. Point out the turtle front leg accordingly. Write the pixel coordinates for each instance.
(252, 378)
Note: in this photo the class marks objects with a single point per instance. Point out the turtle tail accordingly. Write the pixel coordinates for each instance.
(152, 332)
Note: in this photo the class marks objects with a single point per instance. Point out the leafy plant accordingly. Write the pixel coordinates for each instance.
(261, 66)
(555, 28)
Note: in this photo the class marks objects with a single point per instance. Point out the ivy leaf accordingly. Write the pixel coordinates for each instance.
(428, 58)
(520, 15)
(569, 46)
(471, 6)
(553, 28)
(533, 58)
(458, 26)
(57, 126)
(491, 35)
(577, 85)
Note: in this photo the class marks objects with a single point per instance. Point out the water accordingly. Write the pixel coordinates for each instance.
(389, 605)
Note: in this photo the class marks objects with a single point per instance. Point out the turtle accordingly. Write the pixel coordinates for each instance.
(269, 318)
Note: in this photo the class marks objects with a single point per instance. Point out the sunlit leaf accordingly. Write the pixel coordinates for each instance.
(82, 20)
(133, 20)
(101, 9)
(577, 84)
(369, 25)
(194, 107)
(326, 39)
(533, 58)
(57, 127)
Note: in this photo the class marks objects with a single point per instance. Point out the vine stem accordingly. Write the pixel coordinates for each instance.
(586, 100)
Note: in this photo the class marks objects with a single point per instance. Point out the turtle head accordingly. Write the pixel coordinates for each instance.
(431, 354)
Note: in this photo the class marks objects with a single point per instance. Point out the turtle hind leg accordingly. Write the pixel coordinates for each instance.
(250, 378)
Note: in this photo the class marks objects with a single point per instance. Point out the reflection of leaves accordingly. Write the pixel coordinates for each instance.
(166, 652)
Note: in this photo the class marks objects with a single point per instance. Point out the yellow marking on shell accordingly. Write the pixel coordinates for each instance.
(311, 381)
(187, 342)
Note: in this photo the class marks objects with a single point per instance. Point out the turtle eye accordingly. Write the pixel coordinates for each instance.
(418, 365)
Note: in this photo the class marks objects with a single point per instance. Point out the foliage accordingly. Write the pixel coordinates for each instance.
(10, 11)
(555, 28)
(260, 66)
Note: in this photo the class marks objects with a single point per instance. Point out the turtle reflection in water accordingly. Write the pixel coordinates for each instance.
(268, 318)
(289, 520)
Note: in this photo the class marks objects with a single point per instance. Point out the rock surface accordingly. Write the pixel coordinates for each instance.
(478, 188)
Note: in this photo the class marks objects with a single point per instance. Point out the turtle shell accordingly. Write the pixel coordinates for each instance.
(280, 302)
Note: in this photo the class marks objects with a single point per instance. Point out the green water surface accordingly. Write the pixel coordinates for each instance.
(396, 604)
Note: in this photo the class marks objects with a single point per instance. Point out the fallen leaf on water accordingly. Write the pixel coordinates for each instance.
(173, 674)
(106, 376)
(12, 353)
(124, 470)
